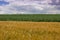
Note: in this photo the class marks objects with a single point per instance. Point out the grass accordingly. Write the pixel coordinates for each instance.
(31, 17)
(12, 30)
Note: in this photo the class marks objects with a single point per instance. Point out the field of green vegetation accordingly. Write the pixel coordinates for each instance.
(31, 17)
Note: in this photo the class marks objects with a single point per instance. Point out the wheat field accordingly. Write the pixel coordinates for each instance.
(17, 30)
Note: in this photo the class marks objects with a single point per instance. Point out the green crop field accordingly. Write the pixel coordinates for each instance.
(31, 17)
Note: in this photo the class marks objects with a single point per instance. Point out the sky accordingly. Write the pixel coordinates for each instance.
(29, 6)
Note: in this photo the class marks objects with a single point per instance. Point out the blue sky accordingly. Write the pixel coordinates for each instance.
(3, 3)
(29, 6)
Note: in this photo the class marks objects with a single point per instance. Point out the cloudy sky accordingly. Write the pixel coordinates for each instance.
(29, 6)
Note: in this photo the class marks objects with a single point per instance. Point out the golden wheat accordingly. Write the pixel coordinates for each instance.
(15, 30)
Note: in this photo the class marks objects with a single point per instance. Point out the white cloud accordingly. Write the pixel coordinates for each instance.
(13, 5)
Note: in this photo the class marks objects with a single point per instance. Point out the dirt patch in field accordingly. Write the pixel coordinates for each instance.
(15, 30)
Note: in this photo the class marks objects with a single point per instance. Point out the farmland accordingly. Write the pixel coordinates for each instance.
(19, 30)
(31, 17)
